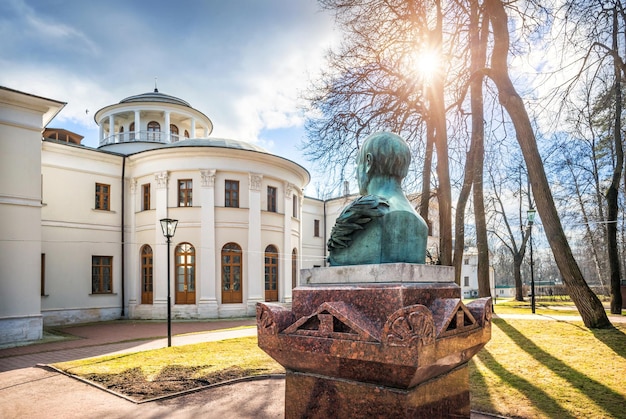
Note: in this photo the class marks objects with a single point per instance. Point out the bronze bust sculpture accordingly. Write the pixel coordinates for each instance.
(381, 226)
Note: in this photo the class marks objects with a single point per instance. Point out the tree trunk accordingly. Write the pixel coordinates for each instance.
(478, 44)
(426, 175)
(588, 304)
(444, 191)
(517, 274)
(612, 194)
(459, 217)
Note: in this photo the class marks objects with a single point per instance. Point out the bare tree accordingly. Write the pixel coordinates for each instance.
(503, 229)
(595, 32)
(588, 304)
(371, 85)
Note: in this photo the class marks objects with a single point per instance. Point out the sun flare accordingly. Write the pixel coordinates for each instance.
(426, 63)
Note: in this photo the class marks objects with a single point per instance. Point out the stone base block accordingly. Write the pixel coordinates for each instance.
(316, 396)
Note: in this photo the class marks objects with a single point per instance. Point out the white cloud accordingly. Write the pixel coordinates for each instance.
(243, 66)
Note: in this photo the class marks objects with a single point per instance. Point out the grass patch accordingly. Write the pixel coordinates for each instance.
(544, 306)
(149, 374)
(529, 369)
(548, 369)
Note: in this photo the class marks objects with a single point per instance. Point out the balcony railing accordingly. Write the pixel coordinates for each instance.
(139, 136)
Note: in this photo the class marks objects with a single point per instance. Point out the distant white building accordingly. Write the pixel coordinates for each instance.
(504, 291)
(469, 274)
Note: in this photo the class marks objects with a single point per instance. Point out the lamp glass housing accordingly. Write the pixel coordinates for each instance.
(530, 214)
(168, 226)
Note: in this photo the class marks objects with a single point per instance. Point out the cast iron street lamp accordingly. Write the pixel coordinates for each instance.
(169, 228)
(531, 219)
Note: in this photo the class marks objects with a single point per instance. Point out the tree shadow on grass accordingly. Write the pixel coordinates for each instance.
(480, 390)
(605, 397)
(614, 338)
(534, 394)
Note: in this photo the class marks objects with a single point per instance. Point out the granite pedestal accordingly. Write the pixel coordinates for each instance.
(390, 340)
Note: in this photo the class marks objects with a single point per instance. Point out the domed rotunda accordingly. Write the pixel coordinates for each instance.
(239, 211)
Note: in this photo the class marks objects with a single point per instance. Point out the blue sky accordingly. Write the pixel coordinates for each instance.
(241, 62)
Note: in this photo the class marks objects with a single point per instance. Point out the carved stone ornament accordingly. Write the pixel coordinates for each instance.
(207, 178)
(336, 320)
(161, 179)
(133, 185)
(255, 181)
(265, 320)
(289, 187)
(409, 326)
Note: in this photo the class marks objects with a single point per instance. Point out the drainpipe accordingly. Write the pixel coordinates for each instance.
(123, 259)
(324, 244)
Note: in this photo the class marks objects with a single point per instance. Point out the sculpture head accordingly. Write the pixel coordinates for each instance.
(385, 155)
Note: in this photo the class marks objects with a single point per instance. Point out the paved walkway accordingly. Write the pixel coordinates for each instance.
(27, 391)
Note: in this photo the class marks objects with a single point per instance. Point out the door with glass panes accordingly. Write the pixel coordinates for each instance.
(271, 273)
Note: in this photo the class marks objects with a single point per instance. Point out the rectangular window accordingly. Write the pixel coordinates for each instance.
(316, 228)
(43, 274)
(101, 274)
(271, 199)
(145, 193)
(231, 192)
(103, 196)
(294, 200)
(184, 192)
(466, 281)
(466, 261)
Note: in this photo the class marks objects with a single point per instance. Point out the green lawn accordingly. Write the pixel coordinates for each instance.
(544, 306)
(529, 369)
(551, 369)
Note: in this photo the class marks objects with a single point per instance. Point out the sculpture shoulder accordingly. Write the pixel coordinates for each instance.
(405, 220)
(355, 217)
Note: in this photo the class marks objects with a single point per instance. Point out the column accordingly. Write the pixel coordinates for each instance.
(160, 248)
(101, 131)
(112, 128)
(207, 304)
(254, 272)
(193, 128)
(137, 126)
(168, 132)
(284, 289)
(131, 247)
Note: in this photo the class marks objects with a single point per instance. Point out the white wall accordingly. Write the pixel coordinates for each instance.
(22, 119)
(73, 231)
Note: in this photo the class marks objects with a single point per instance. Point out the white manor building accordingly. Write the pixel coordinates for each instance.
(81, 238)
(80, 231)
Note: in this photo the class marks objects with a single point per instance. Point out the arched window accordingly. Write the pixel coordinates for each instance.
(186, 134)
(294, 268)
(231, 274)
(271, 273)
(121, 138)
(154, 130)
(131, 133)
(185, 258)
(173, 133)
(146, 274)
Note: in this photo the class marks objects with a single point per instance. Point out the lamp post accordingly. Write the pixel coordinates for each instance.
(531, 219)
(169, 228)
